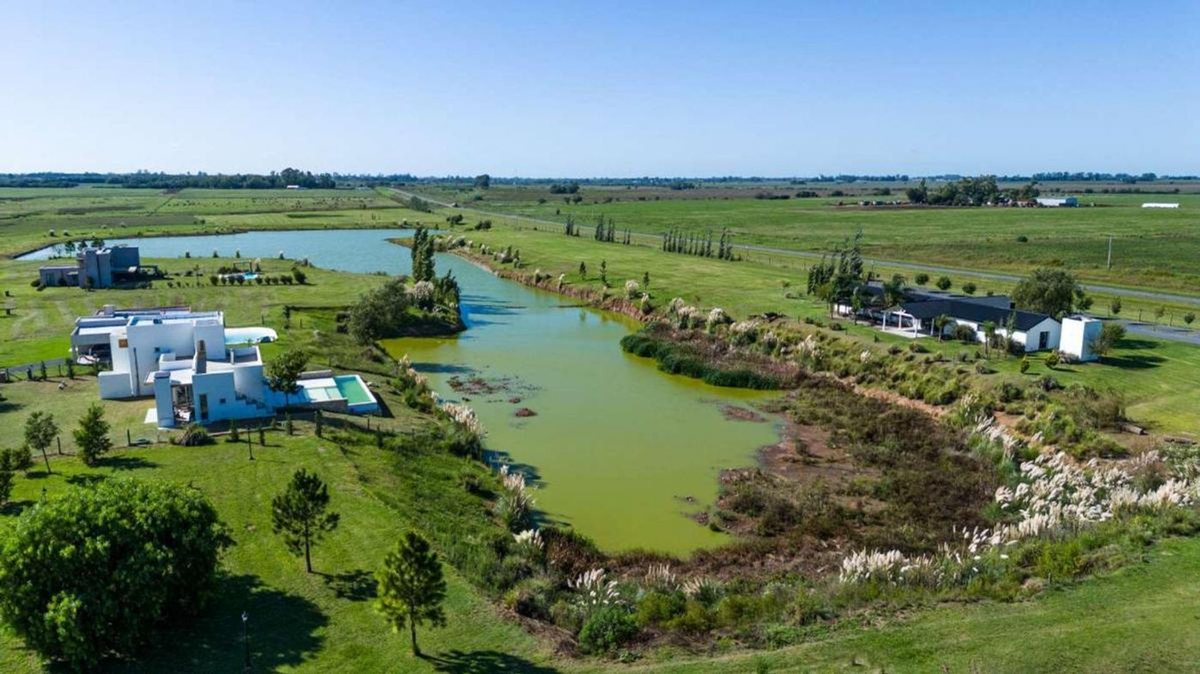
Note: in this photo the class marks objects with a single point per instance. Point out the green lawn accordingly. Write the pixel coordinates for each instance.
(322, 622)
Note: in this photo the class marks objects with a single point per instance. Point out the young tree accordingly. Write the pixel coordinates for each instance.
(944, 283)
(299, 514)
(583, 270)
(921, 278)
(411, 587)
(1115, 306)
(1189, 317)
(969, 288)
(989, 334)
(285, 370)
(1106, 341)
(40, 431)
(940, 322)
(92, 435)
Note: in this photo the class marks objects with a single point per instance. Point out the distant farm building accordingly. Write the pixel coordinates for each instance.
(1159, 204)
(1058, 201)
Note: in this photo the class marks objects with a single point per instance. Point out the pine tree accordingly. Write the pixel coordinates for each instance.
(298, 514)
(411, 587)
(92, 435)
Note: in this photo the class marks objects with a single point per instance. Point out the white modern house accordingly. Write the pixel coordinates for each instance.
(198, 372)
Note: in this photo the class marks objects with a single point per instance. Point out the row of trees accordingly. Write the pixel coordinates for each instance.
(674, 241)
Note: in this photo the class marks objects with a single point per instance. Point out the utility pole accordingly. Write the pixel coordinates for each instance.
(1110, 252)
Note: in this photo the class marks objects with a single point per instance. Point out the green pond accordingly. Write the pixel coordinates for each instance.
(617, 449)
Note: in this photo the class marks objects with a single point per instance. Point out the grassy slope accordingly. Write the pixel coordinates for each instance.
(299, 622)
(1159, 378)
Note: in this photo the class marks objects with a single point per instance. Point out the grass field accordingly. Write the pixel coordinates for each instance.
(1152, 248)
(28, 215)
(1159, 378)
(41, 321)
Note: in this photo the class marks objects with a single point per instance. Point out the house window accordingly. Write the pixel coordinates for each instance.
(222, 401)
(122, 343)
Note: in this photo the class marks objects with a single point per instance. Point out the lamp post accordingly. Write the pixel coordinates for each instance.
(249, 446)
(246, 640)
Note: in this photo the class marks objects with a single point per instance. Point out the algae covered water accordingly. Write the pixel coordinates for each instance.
(618, 450)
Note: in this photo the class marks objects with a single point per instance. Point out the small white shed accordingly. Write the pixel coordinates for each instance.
(1078, 333)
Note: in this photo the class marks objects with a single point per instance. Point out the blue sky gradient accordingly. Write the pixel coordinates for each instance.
(602, 89)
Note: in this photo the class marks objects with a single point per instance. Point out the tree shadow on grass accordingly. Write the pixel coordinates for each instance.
(481, 662)
(1131, 343)
(15, 508)
(125, 463)
(356, 585)
(85, 479)
(1131, 362)
(284, 631)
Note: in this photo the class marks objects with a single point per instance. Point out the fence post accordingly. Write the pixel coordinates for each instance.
(128, 438)
(58, 439)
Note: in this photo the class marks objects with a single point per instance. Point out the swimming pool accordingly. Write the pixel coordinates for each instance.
(354, 390)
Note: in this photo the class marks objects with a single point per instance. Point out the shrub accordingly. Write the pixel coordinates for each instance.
(606, 629)
(127, 556)
(194, 435)
(657, 608)
(695, 619)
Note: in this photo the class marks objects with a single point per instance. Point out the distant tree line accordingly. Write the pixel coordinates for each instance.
(272, 180)
(977, 191)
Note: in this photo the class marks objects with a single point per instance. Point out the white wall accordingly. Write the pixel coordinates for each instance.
(1077, 337)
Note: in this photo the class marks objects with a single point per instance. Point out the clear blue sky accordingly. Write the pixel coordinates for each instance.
(601, 88)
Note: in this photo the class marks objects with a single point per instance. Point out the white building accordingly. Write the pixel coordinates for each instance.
(186, 361)
(1059, 202)
(1154, 204)
(1033, 331)
(1078, 334)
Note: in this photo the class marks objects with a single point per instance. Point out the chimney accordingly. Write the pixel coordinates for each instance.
(200, 362)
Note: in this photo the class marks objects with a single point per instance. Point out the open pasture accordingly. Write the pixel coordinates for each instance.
(1152, 248)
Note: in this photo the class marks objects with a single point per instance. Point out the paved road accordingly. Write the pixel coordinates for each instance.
(1153, 295)
(1171, 334)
